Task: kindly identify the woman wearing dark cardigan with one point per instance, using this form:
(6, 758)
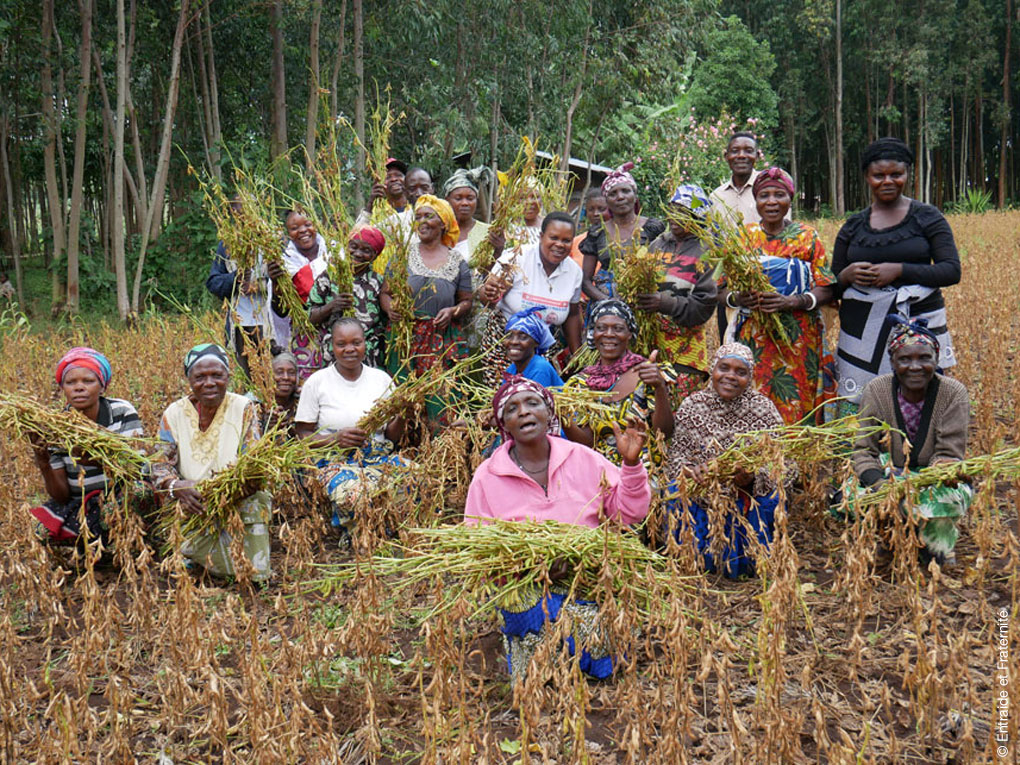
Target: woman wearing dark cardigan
(933, 412)
(892, 257)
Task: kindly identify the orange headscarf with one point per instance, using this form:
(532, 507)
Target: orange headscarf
(445, 212)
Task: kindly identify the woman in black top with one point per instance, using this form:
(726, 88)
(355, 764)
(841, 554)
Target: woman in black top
(892, 257)
(623, 228)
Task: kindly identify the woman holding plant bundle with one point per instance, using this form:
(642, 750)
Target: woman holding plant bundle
(706, 424)
(332, 403)
(279, 413)
(536, 477)
(74, 484)
(685, 300)
(625, 228)
(892, 257)
(326, 303)
(793, 370)
(639, 387)
(461, 191)
(538, 276)
(204, 433)
(440, 291)
(933, 412)
(305, 259)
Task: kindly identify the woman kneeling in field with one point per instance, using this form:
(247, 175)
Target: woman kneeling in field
(933, 411)
(203, 433)
(332, 403)
(73, 483)
(706, 424)
(535, 476)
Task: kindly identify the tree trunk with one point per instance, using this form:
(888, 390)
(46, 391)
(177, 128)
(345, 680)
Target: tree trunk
(117, 219)
(216, 132)
(204, 101)
(154, 209)
(312, 117)
(359, 99)
(278, 145)
(334, 82)
(74, 219)
(494, 151)
(55, 201)
(840, 200)
(11, 217)
(576, 99)
(1004, 134)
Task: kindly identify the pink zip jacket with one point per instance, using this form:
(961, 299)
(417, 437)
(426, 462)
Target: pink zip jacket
(500, 489)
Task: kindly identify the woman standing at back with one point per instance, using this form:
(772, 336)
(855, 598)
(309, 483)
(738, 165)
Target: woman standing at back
(892, 257)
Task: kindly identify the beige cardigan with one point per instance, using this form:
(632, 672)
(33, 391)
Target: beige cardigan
(942, 431)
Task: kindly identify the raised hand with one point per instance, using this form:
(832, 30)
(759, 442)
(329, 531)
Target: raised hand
(630, 442)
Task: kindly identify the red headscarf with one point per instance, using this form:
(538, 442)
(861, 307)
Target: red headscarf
(371, 236)
(86, 358)
(773, 176)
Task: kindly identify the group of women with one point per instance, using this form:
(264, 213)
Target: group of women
(675, 408)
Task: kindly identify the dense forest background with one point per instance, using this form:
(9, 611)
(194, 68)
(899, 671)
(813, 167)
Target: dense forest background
(104, 104)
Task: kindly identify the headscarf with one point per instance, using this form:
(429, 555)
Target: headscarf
(618, 177)
(610, 307)
(914, 332)
(464, 178)
(284, 356)
(886, 148)
(694, 198)
(204, 351)
(734, 351)
(600, 376)
(445, 212)
(517, 384)
(773, 176)
(371, 236)
(85, 358)
(530, 323)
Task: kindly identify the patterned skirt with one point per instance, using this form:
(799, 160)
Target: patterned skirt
(736, 556)
(524, 631)
(212, 551)
(431, 347)
(938, 510)
(350, 482)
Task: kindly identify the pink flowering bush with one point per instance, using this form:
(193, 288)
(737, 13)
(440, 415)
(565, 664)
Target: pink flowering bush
(685, 149)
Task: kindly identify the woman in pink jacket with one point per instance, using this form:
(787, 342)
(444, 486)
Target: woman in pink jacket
(535, 476)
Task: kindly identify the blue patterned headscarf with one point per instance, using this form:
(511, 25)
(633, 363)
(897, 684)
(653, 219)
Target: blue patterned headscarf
(694, 198)
(530, 323)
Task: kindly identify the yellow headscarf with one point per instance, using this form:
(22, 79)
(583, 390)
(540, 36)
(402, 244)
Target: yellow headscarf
(445, 212)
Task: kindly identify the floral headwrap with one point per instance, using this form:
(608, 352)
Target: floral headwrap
(85, 358)
(734, 351)
(467, 179)
(512, 387)
(773, 176)
(694, 198)
(610, 307)
(530, 323)
(205, 351)
(911, 333)
(618, 177)
(371, 236)
(445, 212)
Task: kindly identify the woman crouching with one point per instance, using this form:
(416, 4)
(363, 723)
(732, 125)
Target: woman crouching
(73, 483)
(706, 424)
(202, 434)
(534, 476)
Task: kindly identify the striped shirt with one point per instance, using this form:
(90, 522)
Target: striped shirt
(117, 416)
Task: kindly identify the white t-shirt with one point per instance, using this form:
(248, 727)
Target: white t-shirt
(332, 402)
(533, 286)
